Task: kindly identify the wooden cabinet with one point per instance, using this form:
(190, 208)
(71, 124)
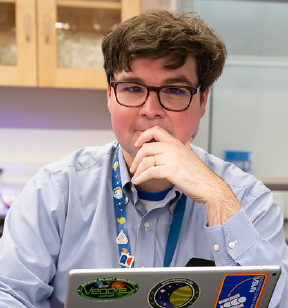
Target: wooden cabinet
(58, 42)
(17, 43)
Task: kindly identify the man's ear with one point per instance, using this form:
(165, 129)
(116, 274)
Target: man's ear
(109, 94)
(203, 101)
(108, 91)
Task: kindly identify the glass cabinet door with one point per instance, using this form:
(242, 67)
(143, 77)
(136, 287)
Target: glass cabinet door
(17, 42)
(70, 37)
(8, 48)
(80, 28)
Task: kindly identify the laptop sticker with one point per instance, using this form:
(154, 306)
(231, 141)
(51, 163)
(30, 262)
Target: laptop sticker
(241, 290)
(175, 292)
(107, 289)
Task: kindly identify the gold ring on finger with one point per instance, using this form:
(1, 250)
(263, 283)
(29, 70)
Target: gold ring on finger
(154, 160)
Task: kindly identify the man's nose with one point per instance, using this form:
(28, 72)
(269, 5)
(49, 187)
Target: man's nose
(152, 107)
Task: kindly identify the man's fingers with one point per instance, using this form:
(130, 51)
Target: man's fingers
(147, 151)
(155, 133)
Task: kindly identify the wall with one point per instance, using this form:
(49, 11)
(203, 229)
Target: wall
(250, 101)
(38, 126)
(250, 114)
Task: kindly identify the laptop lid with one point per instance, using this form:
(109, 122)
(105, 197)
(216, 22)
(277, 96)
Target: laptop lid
(181, 287)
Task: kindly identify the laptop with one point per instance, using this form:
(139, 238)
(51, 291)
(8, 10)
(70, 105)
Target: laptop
(181, 287)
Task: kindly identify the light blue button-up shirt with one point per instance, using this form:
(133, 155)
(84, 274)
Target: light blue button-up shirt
(65, 219)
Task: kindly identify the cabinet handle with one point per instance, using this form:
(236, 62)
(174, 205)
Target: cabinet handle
(47, 29)
(27, 22)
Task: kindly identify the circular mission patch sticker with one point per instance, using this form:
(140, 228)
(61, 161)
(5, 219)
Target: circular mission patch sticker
(107, 289)
(176, 292)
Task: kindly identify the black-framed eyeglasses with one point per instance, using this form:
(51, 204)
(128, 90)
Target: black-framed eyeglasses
(171, 97)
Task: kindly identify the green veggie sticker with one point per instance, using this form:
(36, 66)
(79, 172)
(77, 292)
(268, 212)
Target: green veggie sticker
(107, 289)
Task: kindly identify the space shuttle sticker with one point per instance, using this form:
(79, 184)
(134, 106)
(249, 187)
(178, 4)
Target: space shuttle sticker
(244, 290)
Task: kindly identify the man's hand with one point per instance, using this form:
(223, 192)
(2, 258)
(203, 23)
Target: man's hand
(178, 164)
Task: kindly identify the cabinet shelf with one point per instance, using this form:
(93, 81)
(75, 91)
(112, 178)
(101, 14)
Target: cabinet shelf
(90, 4)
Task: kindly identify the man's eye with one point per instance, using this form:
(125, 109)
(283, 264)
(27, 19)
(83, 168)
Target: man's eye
(132, 89)
(174, 91)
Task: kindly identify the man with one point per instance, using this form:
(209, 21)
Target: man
(115, 205)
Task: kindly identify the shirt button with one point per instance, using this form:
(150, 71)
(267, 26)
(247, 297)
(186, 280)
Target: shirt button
(231, 245)
(146, 225)
(126, 200)
(132, 189)
(216, 247)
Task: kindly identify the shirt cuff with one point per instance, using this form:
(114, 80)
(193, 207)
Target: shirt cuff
(230, 241)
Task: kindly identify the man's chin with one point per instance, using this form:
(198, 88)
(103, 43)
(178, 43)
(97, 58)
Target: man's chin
(129, 154)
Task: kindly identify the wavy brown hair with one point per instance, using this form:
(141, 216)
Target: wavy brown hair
(157, 34)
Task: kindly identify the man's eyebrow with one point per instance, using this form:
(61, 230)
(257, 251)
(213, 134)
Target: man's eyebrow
(178, 79)
(168, 81)
(132, 79)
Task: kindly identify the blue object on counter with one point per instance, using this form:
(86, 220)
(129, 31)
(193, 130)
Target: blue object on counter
(239, 158)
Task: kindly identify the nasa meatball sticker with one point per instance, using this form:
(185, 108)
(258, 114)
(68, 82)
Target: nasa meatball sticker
(237, 291)
(176, 292)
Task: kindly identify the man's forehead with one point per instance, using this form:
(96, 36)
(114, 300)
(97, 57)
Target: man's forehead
(142, 69)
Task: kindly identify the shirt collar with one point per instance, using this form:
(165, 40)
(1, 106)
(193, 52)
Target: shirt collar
(125, 176)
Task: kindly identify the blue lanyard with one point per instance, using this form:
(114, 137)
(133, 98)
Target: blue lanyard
(174, 231)
(125, 258)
